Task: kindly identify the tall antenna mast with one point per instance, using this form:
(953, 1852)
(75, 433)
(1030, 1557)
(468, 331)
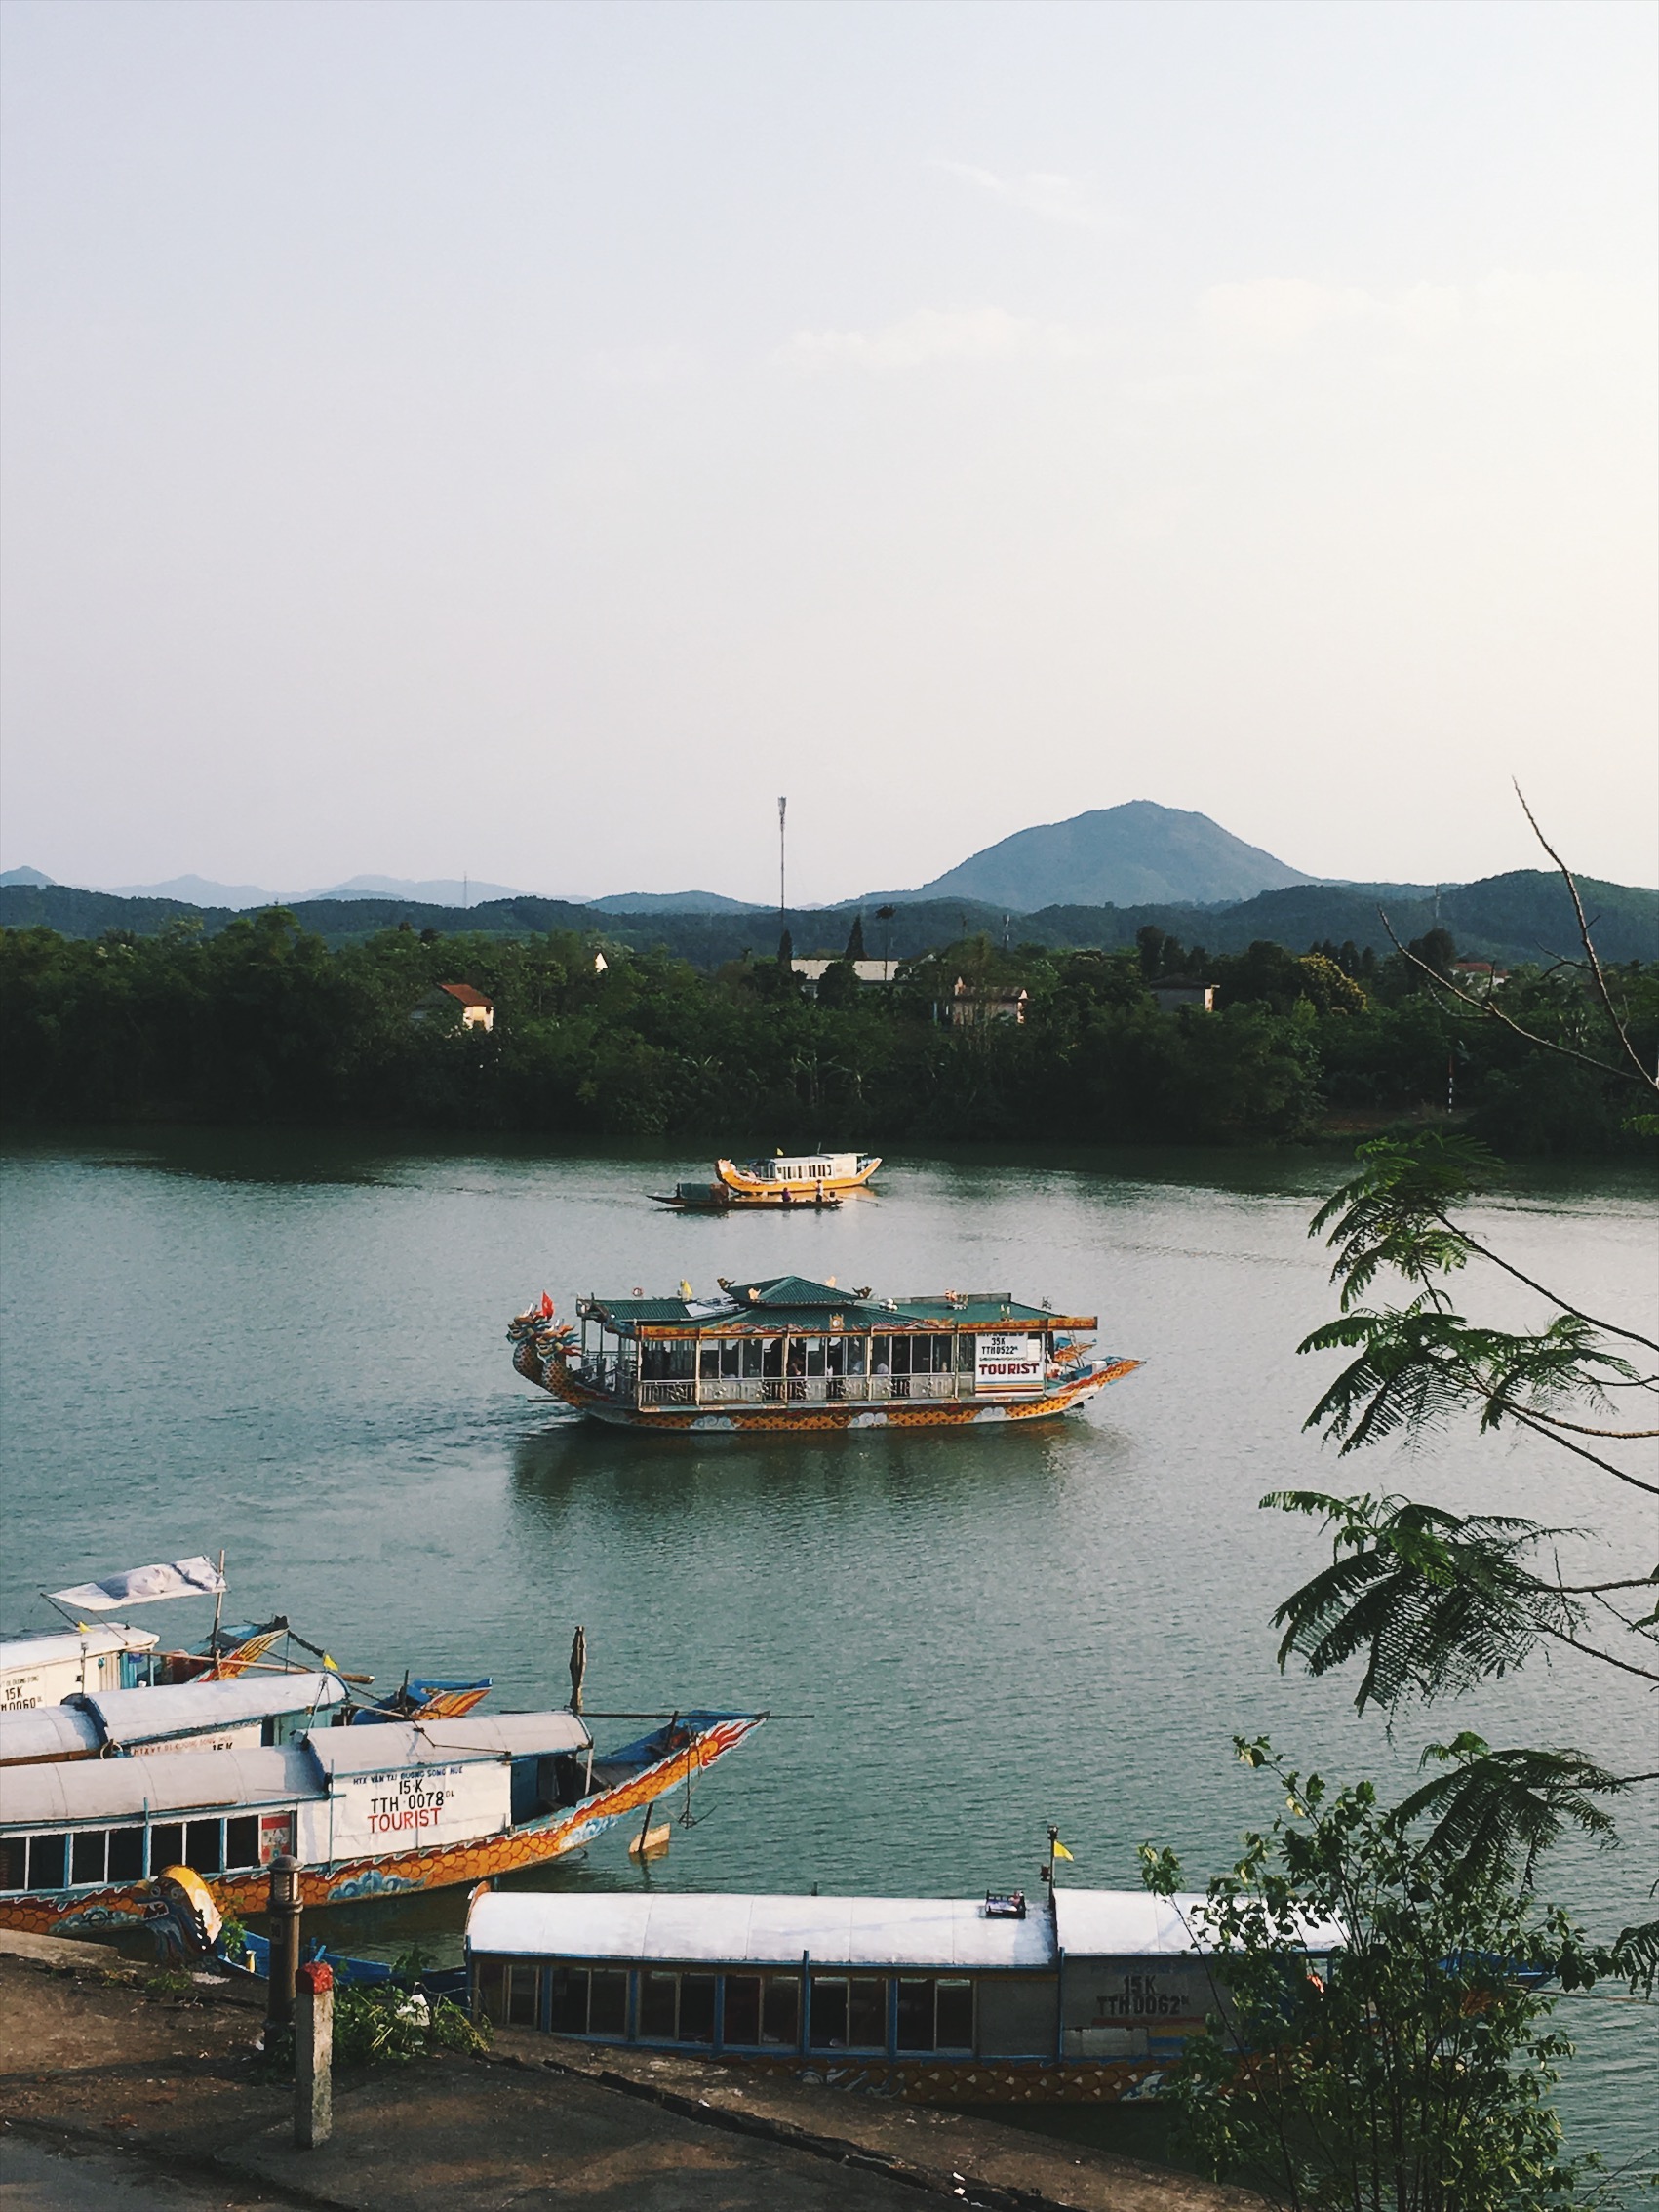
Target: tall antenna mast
(783, 880)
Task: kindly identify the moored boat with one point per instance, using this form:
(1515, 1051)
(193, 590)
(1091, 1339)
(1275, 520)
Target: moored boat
(721, 1197)
(791, 1176)
(368, 1812)
(45, 1666)
(1083, 1996)
(260, 1711)
(787, 1353)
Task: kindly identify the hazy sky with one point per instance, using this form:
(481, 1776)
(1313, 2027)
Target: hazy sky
(524, 439)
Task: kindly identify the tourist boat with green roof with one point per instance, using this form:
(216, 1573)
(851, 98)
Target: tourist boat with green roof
(787, 1353)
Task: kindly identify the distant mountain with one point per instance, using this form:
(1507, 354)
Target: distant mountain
(198, 890)
(1127, 856)
(449, 890)
(31, 876)
(1520, 917)
(673, 902)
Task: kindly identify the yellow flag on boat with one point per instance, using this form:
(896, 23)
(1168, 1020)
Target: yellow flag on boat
(1060, 1851)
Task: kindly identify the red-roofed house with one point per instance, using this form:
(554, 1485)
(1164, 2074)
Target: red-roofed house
(476, 1011)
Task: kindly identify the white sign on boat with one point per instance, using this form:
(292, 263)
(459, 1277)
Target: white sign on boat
(45, 1668)
(1006, 1364)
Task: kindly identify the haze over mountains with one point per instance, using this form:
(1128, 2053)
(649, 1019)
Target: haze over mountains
(1127, 855)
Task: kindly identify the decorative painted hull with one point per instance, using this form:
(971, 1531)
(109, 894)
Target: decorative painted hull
(554, 1376)
(529, 1844)
(752, 1186)
(971, 2081)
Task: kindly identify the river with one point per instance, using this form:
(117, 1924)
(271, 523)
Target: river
(292, 1346)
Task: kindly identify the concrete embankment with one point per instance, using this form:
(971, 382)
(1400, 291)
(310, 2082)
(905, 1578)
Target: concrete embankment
(93, 2066)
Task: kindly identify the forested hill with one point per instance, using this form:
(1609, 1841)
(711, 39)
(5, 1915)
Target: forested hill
(1517, 918)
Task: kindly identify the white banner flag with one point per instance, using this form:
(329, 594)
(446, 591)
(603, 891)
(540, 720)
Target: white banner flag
(144, 1585)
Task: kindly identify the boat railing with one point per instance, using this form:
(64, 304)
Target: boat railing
(803, 1390)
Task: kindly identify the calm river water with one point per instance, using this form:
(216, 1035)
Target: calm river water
(293, 1347)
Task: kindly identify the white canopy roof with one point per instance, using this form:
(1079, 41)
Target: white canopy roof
(119, 1718)
(1131, 1923)
(165, 1783)
(20, 1653)
(173, 1780)
(375, 1749)
(929, 1933)
(48, 1731)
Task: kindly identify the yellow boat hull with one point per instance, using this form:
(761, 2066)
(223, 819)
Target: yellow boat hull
(765, 1189)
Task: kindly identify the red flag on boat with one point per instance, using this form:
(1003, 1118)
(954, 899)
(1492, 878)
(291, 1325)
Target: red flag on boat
(546, 1306)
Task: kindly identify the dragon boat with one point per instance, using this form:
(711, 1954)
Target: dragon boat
(377, 1811)
(789, 1177)
(791, 1353)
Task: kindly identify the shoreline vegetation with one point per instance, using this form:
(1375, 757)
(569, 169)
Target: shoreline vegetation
(264, 1023)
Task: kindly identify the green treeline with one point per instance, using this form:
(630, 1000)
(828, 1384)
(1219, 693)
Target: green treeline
(264, 1023)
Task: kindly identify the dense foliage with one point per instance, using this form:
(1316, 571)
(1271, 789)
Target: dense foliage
(1410, 2068)
(263, 1023)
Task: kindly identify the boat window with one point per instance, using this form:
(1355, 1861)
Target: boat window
(829, 2014)
(730, 1359)
(881, 1355)
(708, 1362)
(965, 1355)
(491, 1986)
(203, 1845)
(814, 1350)
(849, 2014)
(771, 1355)
(742, 2024)
(752, 1351)
(916, 2016)
(898, 1356)
(657, 2007)
(524, 1992)
(608, 2002)
(86, 1855)
(780, 2011)
(568, 2010)
(15, 1863)
(126, 1854)
(856, 1354)
(867, 2012)
(697, 2008)
(954, 2029)
(167, 1844)
(48, 1861)
(936, 2015)
(242, 1840)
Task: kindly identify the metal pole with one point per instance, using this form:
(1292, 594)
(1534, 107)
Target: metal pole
(314, 2055)
(219, 1610)
(782, 901)
(578, 1668)
(283, 1904)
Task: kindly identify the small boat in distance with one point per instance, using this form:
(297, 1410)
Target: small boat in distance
(790, 1354)
(721, 1197)
(790, 1176)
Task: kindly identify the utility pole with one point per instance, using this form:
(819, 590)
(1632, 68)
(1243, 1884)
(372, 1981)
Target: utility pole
(783, 880)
